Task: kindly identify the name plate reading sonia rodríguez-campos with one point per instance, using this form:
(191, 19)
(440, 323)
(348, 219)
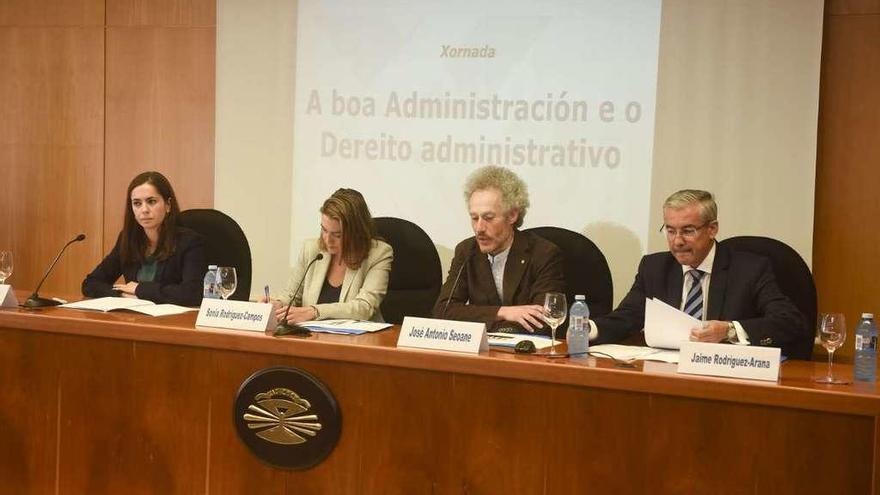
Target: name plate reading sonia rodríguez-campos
(734, 361)
(236, 315)
(7, 297)
(443, 335)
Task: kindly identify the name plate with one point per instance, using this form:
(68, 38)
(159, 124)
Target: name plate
(734, 361)
(236, 315)
(7, 297)
(443, 335)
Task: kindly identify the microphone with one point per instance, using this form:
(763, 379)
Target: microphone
(35, 301)
(455, 283)
(285, 328)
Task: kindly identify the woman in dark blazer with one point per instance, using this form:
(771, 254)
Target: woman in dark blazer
(158, 260)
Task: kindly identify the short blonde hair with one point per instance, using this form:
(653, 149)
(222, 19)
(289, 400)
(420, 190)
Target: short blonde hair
(514, 192)
(687, 197)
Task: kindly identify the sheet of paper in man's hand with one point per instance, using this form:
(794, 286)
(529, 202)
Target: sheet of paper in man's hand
(667, 327)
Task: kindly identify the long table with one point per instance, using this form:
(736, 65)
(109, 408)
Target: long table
(124, 403)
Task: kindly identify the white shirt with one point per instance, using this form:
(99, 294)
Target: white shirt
(497, 263)
(706, 268)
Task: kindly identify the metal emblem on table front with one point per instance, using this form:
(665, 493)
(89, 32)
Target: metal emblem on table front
(287, 417)
(273, 414)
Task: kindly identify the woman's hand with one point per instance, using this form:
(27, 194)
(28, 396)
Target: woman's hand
(296, 314)
(127, 290)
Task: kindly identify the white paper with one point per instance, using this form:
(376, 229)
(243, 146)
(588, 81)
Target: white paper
(162, 309)
(345, 326)
(634, 353)
(667, 327)
(7, 297)
(108, 303)
(500, 339)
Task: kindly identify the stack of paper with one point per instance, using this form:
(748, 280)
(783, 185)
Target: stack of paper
(347, 327)
(106, 304)
(665, 326)
(634, 353)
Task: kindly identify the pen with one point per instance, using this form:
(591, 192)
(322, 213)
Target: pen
(266, 290)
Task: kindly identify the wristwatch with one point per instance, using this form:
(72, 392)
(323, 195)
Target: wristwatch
(732, 337)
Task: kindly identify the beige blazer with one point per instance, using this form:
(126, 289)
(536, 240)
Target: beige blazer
(362, 290)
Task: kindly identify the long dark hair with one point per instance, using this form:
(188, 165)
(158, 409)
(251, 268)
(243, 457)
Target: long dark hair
(358, 229)
(133, 239)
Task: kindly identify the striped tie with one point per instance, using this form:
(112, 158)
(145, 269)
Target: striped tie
(694, 304)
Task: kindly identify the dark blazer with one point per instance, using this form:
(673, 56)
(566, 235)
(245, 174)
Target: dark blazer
(533, 268)
(742, 288)
(178, 279)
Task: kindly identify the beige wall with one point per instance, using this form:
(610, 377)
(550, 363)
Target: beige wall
(256, 49)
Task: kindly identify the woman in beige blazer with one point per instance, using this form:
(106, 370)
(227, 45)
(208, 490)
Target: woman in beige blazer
(350, 278)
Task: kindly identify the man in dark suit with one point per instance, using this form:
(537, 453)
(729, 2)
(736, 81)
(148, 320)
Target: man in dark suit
(734, 293)
(500, 275)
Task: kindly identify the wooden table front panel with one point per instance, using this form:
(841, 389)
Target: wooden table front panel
(95, 415)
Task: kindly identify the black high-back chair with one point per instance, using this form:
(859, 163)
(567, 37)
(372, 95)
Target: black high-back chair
(793, 277)
(225, 243)
(586, 269)
(415, 277)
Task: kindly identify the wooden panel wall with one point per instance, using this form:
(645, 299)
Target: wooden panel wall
(93, 92)
(51, 136)
(846, 235)
(160, 100)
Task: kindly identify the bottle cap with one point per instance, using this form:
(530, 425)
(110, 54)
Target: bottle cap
(868, 315)
(580, 297)
(212, 267)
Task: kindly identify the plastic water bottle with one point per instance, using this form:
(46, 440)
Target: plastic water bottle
(578, 336)
(866, 349)
(209, 286)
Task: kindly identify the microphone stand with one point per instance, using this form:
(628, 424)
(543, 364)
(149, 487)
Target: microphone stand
(35, 301)
(455, 283)
(285, 328)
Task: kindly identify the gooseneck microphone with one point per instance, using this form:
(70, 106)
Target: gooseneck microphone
(35, 301)
(455, 283)
(285, 328)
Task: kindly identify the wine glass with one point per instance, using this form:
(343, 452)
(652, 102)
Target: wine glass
(555, 309)
(832, 334)
(5, 265)
(226, 281)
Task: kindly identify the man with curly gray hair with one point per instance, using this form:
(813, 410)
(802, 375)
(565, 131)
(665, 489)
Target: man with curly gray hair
(500, 275)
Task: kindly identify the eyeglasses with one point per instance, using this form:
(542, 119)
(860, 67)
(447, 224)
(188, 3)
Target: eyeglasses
(689, 232)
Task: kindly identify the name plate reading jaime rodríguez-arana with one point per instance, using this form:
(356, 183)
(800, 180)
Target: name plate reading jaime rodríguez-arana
(7, 297)
(734, 361)
(443, 335)
(236, 315)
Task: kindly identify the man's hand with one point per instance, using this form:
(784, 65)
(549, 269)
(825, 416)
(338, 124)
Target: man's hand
(711, 331)
(529, 316)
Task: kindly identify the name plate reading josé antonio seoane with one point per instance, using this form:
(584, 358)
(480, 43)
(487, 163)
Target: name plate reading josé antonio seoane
(236, 315)
(443, 335)
(734, 361)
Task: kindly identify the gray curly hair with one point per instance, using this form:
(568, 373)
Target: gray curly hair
(514, 192)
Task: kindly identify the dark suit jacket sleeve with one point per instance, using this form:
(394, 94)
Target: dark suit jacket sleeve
(629, 316)
(182, 274)
(99, 283)
(458, 309)
(778, 321)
